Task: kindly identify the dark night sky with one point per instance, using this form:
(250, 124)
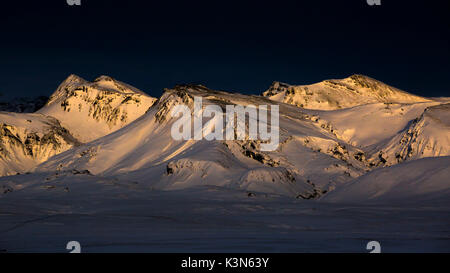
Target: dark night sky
(237, 46)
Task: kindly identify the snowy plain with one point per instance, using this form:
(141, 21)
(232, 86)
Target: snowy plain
(122, 218)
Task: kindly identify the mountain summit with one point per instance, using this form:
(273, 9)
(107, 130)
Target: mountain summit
(337, 94)
(90, 110)
(78, 112)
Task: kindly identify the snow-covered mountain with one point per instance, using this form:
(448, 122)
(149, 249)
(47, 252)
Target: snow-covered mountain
(338, 94)
(391, 133)
(425, 179)
(90, 110)
(78, 112)
(426, 136)
(29, 139)
(370, 124)
(319, 151)
(310, 160)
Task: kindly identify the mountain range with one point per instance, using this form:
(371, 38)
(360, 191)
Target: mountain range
(331, 134)
(357, 161)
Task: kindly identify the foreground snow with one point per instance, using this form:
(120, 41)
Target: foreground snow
(107, 215)
(404, 207)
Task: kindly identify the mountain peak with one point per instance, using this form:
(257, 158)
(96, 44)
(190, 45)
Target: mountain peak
(93, 109)
(339, 93)
(360, 76)
(363, 81)
(73, 83)
(74, 78)
(103, 78)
